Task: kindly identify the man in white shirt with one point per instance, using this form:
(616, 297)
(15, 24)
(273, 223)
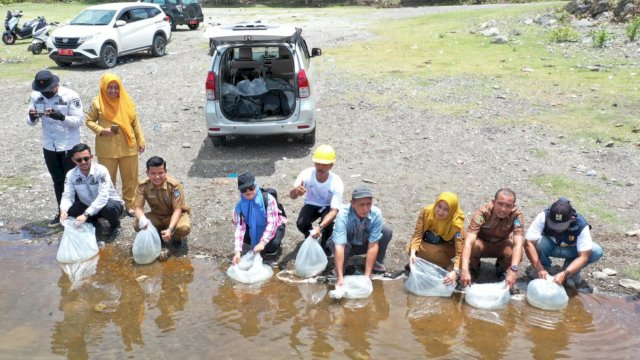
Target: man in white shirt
(89, 193)
(322, 190)
(559, 231)
(60, 111)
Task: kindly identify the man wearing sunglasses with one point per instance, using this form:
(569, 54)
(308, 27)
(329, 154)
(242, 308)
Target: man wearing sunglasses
(59, 109)
(89, 193)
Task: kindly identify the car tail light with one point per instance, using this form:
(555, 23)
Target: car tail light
(303, 85)
(210, 86)
(167, 18)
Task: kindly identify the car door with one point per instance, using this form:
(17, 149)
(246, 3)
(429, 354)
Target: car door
(126, 41)
(142, 28)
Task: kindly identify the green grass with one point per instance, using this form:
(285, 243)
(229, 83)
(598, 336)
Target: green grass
(14, 182)
(632, 272)
(17, 62)
(430, 48)
(581, 195)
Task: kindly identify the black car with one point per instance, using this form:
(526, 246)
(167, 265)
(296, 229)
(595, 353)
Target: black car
(181, 12)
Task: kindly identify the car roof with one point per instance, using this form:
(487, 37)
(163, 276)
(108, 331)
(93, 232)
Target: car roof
(118, 6)
(251, 32)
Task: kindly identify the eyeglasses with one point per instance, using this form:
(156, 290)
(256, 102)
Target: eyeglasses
(247, 189)
(80, 160)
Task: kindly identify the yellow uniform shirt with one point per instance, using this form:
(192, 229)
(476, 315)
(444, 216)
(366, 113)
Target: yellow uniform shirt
(112, 147)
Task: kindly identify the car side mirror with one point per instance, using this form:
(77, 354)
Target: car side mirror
(120, 23)
(316, 52)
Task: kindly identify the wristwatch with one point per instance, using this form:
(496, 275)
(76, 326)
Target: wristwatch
(514, 268)
(86, 214)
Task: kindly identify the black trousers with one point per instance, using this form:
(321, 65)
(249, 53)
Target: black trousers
(58, 164)
(111, 212)
(309, 214)
(273, 245)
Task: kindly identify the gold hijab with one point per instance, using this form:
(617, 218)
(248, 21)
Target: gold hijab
(121, 110)
(446, 228)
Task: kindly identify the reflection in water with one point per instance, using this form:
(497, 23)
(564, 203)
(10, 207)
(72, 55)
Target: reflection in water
(112, 295)
(116, 310)
(435, 322)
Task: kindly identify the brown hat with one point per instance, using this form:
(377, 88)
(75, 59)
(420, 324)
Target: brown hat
(45, 81)
(559, 215)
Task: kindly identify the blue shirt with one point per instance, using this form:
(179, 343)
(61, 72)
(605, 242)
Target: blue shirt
(349, 228)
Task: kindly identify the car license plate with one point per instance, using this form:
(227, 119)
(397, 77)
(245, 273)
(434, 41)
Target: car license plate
(65, 52)
(193, 22)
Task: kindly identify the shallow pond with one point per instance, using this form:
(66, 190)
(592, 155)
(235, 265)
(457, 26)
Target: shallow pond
(188, 309)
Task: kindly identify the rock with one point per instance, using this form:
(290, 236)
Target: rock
(186, 146)
(599, 275)
(488, 24)
(546, 20)
(515, 32)
(630, 284)
(527, 70)
(609, 272)
(600, 7)
(604, 17)
(592, 173)
(500, 39)
(528, 21)
(609, 144)
(491, 32)
(635, 232)
(583, 23)
(622, 8)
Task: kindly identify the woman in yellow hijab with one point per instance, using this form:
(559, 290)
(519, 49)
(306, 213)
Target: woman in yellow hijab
(119, 138)
(438, 236)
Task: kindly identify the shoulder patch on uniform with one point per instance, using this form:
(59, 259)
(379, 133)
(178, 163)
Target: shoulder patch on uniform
(77, 103)
(479, 219)
(176, 193)
(102, 178)
(516, 222)
(458, 235)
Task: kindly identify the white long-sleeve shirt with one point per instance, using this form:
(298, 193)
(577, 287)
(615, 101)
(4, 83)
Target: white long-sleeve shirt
(93, 190)
(59, 135)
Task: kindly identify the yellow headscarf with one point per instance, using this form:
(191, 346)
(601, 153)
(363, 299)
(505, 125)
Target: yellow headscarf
(121, 110)
(446, 228)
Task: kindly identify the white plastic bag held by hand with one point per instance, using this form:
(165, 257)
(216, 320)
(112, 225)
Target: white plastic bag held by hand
(355, 287)
(250, 270)
(146, 246)
(426, 279)
(546, 294)
(491, 296)
(78, 243)
(311, 259)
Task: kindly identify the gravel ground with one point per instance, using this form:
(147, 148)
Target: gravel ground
(408, 154)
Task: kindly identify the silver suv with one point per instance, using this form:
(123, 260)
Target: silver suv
(260, 82)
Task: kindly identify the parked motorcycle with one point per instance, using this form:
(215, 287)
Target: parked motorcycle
(14, 32)
(40, 37)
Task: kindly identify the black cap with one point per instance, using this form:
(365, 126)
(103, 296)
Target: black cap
(559, 215)
(45, 81)
(246, 180)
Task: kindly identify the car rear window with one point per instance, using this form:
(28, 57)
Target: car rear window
(260, 53)
(153, 12)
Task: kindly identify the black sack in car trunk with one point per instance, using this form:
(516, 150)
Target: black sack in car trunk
(274, 102)
(245, 107)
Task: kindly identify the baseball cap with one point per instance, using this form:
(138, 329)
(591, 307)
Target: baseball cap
(559, 215)
(246, 180)
(45, 81)
(361, 191)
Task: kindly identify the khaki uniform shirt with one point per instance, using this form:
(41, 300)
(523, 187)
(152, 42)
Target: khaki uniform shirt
(162, 200)
(489, 227)
(112, 147)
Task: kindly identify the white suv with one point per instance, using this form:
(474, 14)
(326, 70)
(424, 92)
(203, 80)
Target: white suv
(260, 82)
(101, 33)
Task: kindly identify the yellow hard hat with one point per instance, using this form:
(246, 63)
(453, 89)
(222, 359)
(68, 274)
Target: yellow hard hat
(324, 154)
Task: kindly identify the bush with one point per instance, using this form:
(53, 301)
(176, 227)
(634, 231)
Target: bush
(632, 30)
(564, 34)
(600, 37)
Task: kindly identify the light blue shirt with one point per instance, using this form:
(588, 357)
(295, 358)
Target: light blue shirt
(349, 228)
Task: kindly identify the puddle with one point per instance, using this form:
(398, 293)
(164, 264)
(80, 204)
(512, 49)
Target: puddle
(187, 308)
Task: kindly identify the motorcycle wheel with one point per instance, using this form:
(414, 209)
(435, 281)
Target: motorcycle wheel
(36, 48)
(8, 39)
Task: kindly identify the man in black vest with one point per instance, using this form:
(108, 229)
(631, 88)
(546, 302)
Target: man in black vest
(560, 232)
